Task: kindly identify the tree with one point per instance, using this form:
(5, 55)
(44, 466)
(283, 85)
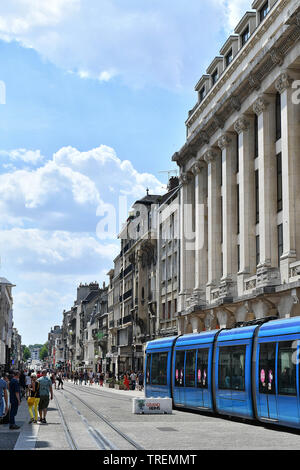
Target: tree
(44, 351)
(26, 353)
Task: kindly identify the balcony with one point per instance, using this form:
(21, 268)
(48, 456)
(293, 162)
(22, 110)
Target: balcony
(294, 271)
(127, 319)
(127, 294)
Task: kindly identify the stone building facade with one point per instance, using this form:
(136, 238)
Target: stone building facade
(240, 175)
(6, 323)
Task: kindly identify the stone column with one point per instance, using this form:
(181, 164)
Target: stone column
(244, 126)
(201, 259)
(290, 148)
(187, 242)
(265, 109)
(212, 157)
(229, 154)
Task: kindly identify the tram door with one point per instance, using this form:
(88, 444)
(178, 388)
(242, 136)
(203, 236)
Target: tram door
(267, 388)
(202, 378)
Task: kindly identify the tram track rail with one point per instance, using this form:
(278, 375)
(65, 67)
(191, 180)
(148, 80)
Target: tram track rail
(68, 433)
(95, 392)
(103, 418)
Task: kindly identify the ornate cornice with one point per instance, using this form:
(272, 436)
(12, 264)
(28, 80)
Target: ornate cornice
(235, 103)
(254, 81)
(260, 105)
(241, 125)
(283, 82)
(276, 56)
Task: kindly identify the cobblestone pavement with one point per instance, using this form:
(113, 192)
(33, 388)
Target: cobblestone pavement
(180, 430)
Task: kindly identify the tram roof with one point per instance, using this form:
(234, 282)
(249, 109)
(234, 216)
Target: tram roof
(161, 343)
(280, 327)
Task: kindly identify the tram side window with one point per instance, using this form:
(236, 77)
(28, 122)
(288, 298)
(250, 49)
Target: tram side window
(159, 369)
(267, 354)
(287, 368)
(148, 367)
(190, 363)
(232, 368)
(179, 369)
(202, 367)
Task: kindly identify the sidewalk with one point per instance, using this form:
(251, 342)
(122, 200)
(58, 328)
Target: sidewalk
(20, 439)
(127, 393)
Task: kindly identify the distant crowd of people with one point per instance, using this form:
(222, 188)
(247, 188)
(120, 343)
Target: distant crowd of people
(37, 389)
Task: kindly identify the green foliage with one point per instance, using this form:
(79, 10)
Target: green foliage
(44, 351)
(26, 353)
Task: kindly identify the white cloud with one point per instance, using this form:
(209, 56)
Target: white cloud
(27, 156)
(143, 43)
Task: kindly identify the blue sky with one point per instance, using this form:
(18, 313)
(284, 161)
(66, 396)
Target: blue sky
(97, 93)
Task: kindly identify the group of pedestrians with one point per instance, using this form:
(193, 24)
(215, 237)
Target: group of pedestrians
(134, 380)
(35, 388)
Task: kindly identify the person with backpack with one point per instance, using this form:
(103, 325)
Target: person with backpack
(33, 399)
(3, 398)
(45, 388)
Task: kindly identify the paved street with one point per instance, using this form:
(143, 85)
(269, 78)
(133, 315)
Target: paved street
(181, 430)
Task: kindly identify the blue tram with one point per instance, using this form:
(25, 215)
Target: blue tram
(249, 371)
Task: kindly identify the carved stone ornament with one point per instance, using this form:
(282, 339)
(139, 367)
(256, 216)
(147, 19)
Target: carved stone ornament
(185, 178)
(235, 103)
(241, 125)
(219, 122)
(210, 156)
(298, 19)
(276, 56)
(198, 167)
(283, 82)
(254, 82)
(260, 105)
(204, 137)
(224, 141)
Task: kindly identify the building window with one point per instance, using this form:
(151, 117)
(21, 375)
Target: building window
(279, 182)
(237, 154)
(257, 250)
(245, 35)
(215, 76)
(256, 196)
(278, 116)
(229, 58)
(169, 309)
(255, 136)
(163, 311)
(202, 94)
(175, 306)
(280, 241)
(239, 257)
(238, 208)
(264, 11)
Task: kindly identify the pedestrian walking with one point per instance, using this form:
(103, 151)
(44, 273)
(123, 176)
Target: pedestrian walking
(141, 381)
(126, 382)
(3, 398)
(85, 376)
(53, 379)
(45, 388)
(133, 380)
(101, 379)
(60, 381)
(15, 399)
(22, 382)
(27, 383)
(33, 399)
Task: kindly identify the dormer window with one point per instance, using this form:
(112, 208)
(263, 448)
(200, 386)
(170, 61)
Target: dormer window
(202, 94)
(245, 35)
(215, 76)
(229, 57)
(264, 11)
